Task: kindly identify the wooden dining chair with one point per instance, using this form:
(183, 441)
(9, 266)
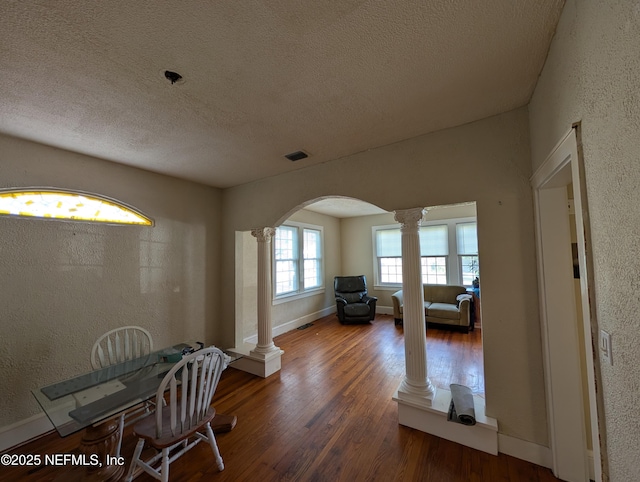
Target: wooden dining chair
(117, 346)
(191, 384)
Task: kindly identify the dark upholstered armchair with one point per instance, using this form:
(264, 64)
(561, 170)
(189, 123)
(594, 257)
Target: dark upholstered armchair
(354, 306)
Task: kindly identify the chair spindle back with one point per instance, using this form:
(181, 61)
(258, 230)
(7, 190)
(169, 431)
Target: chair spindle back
(191, 384)
(120, 345)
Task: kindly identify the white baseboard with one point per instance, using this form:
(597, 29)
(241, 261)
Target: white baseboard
(524, 450)
(19, 432)
(384, 310)
(293, 324)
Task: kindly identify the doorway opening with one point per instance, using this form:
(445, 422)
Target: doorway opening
(565, 283)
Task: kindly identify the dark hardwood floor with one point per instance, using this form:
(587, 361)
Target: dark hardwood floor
(328, 416)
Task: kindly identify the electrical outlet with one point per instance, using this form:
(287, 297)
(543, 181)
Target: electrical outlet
(605, 346)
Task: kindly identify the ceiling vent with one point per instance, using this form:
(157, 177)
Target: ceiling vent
(296, 156)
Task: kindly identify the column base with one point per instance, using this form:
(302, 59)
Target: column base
(421, 396)
(264, 352)
(433, 419)
(256, 363)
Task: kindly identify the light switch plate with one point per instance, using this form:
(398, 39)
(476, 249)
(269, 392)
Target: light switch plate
(605, 346)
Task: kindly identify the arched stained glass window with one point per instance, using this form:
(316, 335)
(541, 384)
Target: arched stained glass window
(68, 205)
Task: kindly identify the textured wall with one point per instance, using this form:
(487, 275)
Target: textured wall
(63, 284)
(591, 75)
(487, 162)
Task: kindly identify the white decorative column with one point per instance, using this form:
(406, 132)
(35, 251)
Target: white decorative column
(416, 388)
(266, 353)
(265, 341)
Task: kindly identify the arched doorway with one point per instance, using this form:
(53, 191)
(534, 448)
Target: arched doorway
(348, 228)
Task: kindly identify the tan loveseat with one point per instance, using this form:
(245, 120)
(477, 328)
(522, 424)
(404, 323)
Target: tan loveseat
(443, 304)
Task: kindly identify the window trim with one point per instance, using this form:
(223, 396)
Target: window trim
(300, 292)
(453, 258)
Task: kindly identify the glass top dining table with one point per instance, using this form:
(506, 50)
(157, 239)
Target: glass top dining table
(85, 400)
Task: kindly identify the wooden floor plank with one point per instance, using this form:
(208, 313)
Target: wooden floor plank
(328, 416)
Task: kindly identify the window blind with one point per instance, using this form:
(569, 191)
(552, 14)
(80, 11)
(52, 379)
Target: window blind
(467, 236)
(388, 243)
(434, 240)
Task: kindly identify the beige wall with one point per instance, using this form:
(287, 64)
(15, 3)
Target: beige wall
(591, 75)
(487, 162)
(63, 284)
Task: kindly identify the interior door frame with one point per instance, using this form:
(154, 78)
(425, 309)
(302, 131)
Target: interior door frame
(564, 165)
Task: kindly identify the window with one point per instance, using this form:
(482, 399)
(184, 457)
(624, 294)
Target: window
(437, 240)
(433, 249)
(467, 237)
(68, 205)
(286, 259)
(312, 255)
(389, 256)
(293, 243)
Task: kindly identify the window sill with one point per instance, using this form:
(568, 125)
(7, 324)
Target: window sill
(399, 287)
(387, 287)
(296, 296)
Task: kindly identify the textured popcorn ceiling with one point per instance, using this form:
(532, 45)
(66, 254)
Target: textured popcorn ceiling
(261, 79)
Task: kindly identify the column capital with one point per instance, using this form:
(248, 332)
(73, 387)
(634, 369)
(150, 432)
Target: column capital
(410, 218)
(263, 234)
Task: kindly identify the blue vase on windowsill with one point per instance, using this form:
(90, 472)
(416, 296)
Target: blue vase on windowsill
(476, 286)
